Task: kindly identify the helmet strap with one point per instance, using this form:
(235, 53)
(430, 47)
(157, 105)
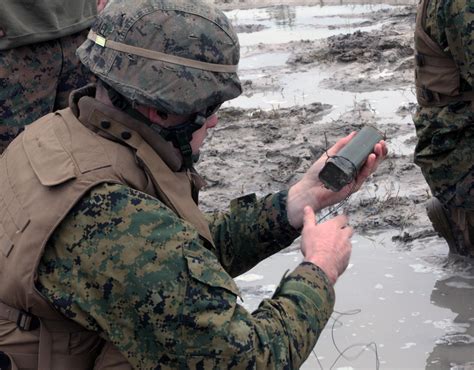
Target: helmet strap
(180, 135)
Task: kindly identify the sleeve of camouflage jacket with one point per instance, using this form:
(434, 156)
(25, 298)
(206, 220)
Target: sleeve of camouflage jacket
(253, 230)
(450, 23)
(123, 264)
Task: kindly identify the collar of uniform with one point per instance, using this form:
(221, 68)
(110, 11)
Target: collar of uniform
(100, 118)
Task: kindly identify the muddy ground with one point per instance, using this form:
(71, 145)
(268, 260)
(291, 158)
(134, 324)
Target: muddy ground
(256, 150)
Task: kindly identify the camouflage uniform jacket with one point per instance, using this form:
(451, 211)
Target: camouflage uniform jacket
(124, 263)
(446, 134)
(25, 22)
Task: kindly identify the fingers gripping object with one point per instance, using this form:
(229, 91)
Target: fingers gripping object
(343, 168)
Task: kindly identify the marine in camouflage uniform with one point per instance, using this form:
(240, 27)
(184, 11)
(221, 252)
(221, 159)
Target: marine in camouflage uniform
(166, 286)
(38, 65)
(126, 255)
(162, 304)
(446, 132)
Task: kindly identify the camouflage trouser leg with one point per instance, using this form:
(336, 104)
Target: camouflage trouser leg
(37, 79)
(461, 213)
(445, 155)
(463, 222)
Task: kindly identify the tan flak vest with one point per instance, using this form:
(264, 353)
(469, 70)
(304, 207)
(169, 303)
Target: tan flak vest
(43, 174)
(437, 76)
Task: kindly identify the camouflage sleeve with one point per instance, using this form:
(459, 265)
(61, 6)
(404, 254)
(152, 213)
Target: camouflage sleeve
(460, 36)
(124, 265)
(451, 23)
(253, 229)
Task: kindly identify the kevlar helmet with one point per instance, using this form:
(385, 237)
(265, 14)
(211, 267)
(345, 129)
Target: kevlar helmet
(178, 56)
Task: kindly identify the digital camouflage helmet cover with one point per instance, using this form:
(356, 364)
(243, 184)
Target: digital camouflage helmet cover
(177, 56)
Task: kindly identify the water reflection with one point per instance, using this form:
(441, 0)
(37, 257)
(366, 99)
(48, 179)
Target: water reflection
(456, 347)
(282, 24)
(302, 88)
(283, 15)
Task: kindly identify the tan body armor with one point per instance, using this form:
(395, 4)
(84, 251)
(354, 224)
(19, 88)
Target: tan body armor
(43, 174)
(437, 76)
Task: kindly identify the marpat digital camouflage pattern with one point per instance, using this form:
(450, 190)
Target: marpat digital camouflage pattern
(125, 265)
(36, 80)
(189, 29)
(445, 150)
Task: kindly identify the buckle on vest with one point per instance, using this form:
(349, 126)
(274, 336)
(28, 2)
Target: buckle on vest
(27, 321)
(419, 60)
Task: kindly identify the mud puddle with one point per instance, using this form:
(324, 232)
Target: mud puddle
(312, 74)
(404, 310)
(302, 88)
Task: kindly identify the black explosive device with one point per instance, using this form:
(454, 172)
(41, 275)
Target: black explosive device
(343, 168)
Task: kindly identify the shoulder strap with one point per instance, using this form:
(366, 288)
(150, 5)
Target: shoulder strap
(46, 359)
(174, 188)
(437, 76)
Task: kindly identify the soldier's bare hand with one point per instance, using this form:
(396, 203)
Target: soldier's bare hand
(310, 191)
(328, 244)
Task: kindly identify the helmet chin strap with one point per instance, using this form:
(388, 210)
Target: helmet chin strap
(180, 135)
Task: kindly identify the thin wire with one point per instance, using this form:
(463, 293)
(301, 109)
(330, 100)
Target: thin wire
(372, 346)
(342, 353)
(317, 359)
(336, 321)
(363, 345)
